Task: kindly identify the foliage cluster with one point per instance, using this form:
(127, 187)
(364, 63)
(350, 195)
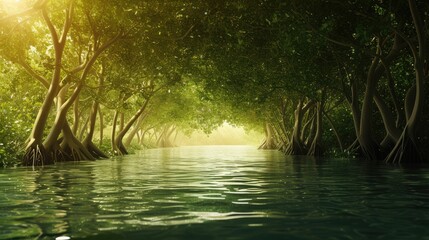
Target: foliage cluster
(318, 77)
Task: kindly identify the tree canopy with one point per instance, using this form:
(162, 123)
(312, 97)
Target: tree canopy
(318, 77)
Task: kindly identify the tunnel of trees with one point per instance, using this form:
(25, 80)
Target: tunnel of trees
(82, 80)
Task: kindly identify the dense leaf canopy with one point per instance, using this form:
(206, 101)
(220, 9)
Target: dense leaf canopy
(336, 77)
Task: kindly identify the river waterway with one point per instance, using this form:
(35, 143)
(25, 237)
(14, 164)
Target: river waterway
(215, 192)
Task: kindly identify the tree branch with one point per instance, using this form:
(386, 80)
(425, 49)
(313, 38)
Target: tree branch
(67, 23)
(33, 73)
(51, 27)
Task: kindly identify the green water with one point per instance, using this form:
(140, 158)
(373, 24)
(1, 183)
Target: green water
(217, 192)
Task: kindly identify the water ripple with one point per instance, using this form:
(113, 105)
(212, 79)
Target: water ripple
(215, 191)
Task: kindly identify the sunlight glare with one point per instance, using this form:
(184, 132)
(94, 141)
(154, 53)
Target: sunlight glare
(226, 134)
(12, 6)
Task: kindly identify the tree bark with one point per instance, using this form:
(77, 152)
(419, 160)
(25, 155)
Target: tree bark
(71, 148)
(164, 140)
(100, 113)
(134, 131)
(88, 141)
(368, 145)
(76, 117)
(113, 135)
(316, 145)
(408, 149)
(269, 141)
(35, 152)
(296, 146)
(118, 139)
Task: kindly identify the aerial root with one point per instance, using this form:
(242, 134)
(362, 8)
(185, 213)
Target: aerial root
(405, 151)
(94, 150)
(36, 155)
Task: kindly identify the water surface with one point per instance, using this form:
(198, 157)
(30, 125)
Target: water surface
(215, 192)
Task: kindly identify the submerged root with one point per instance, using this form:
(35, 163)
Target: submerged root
(406, 151)
(268, 144)
(94, 150)
(295, 148)
(282, 146)
(165, 143)
(370, 150)
(36, 155)
(74, 150)
(76, 153)
(315, 150)
(354, 149)
(119, 147)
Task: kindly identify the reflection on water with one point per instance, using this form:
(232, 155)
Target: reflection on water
(216, 192)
